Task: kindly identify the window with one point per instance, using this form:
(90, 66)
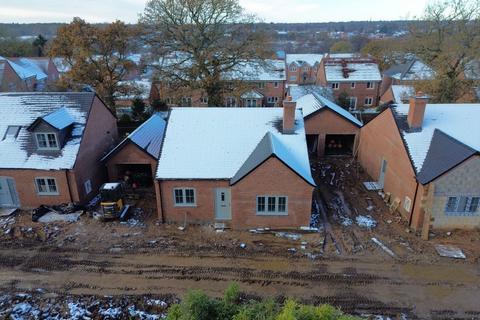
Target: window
(306, 69)
(335, 85)
(87, 186)
(187, 101)
(407, 204)
(275, 84)
(261, 85)
(352, 103)
(251, 103)
(272, 99)
(184, 197)
(293, 78)
(352, 85)
(168, 100)
(204, 100)
(293, 68)
(12, 132)
(459, 205)
(46, 186)
(368, 101)
(47, 141)
(370, 85)
(272, 205)
(231, 102)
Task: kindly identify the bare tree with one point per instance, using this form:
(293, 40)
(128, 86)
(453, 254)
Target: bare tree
(447, 39)
(194, 43)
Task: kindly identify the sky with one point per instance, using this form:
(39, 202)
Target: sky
(25, 11)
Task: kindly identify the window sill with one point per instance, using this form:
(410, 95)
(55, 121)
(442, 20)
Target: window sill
(272, 214)
(47, 194)
(184, 205)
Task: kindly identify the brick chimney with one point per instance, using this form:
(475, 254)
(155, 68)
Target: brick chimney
(289, 115)
(416, 111)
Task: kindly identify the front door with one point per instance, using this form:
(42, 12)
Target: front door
(383, 170)
(223, 210)
(8, 195)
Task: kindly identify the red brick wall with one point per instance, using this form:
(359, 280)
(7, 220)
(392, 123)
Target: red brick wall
(328, 122)
(380, 139)
(27, 192)
(271, 178)
(129, 154)
(10, 77)
(360, 92)
(99, 137)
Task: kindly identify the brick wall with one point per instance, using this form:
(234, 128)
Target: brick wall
(99, 137)
(271, 178)
(328, 122)
(26, 188)
(463, 180)
(129, 154)
(380, 139)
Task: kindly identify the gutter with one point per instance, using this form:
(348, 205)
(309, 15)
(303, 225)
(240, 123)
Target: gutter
(68, 185)
(413, 206)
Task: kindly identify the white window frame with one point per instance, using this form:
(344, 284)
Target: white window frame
(261, 85)
(272, 99)
(370, 85)
(275, 84)
(306, 68)
(45, 135)
(407, 204)
(204, 100)
(231, 102)
(184, 203)
(49, 192)
(350, 99)
(368, 103)
(293, 68)
(87, 185)
(186, 101)
(266, 211)
(468, 210)
(352, 85)
(335, 85)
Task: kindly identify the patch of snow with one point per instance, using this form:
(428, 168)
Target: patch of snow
(53, 216)
(24, 310)
(365, 221)
(142, 315)
(359, 72)
(110, 313)
(310, 58)
(77, 311)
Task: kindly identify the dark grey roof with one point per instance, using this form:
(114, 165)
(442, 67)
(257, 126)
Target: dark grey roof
(148, 137)
(401, 68)
(444, 153)
(267, 147)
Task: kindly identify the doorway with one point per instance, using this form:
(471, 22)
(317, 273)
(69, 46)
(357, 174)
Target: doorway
(223, 210)
(8, 193)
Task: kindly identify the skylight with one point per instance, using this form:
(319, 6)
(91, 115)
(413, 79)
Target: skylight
(12, 132)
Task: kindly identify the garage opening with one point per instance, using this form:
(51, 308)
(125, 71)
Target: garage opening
(312, 144)
(140, 174)
(339, 144)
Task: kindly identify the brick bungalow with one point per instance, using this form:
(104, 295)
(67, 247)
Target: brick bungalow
(138, 152)
(354, 76)
(330, 129)
(51, 145)
(244, 167)
(426, 157)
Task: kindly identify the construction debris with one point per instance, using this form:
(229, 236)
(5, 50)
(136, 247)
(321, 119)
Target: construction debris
(384, 247)
(366, 222)
(449, 251)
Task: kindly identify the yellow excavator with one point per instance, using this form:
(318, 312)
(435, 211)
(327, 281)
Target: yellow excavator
(112, 201)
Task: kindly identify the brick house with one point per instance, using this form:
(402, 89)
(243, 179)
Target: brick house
(406, 73)
(244, 167)
(426, 158)
(329, 128)
(138, 153)
(51, 146)
(302, 68)
(253, 84)
(355, 77)
(397, 93)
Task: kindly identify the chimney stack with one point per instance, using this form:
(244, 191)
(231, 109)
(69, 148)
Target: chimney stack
(289, 115)
(416, 111)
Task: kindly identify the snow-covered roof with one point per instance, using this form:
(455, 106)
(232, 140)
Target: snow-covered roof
(313, 102)
(214, 143)
(343, 55)
(252, 94)
(356, 72)
(148, 136)
(59, 119)
(401, 93)
(459, 121)
(414, 69)
(310, 58)
(26, 68)
(140, 88)
(296, 91)
(61, 65)
(22, 109)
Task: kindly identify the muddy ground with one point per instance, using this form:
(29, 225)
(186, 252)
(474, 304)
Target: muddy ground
(102, 265)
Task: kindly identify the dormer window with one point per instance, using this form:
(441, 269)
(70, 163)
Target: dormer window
(46, 141)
